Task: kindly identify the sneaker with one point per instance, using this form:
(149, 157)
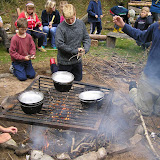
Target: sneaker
(11, 69)
(41, 49)
(132, 84)
(55, 48)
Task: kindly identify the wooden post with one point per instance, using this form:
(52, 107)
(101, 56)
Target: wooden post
(110, 42)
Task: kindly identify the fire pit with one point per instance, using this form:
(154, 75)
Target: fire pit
(62, 110)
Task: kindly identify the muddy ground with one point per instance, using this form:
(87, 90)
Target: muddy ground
(10, 86)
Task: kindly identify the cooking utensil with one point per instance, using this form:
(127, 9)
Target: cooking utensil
(91, 99)
(63, 80)
(31, 101)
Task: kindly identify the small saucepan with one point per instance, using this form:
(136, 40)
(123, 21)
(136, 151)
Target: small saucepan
(31, 101)
(91, 99)
(63, 80)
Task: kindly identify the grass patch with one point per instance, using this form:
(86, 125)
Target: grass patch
(124, 47)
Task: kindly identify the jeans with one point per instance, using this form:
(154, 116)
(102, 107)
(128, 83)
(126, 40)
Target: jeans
(75, 69)
(93, 25)
(156, 16)
(23, 70)
(52, 33)
(38, 35)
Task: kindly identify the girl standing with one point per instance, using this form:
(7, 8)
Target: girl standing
(50, 20)
(33, 24)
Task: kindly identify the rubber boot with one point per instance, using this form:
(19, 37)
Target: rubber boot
(53, 66)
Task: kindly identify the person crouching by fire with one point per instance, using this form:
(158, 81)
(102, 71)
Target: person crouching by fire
(146, 95)
(70, 35)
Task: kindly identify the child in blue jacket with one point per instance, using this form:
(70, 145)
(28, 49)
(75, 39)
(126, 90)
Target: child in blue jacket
(94, 16)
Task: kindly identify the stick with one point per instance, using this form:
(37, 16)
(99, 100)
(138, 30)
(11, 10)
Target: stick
(10, 156)
(36, 31)
(52, 18)
(147, 136)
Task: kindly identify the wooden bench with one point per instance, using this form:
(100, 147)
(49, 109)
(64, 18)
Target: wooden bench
(110, 38)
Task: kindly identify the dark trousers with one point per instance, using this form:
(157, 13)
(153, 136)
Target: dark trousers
(4, 36)
(35, 35)
(23, 70)
(93, 25)
(75, 69)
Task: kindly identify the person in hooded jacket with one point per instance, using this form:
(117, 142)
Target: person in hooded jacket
(94, 16)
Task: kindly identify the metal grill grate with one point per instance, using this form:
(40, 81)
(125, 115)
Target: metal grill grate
(62, 109)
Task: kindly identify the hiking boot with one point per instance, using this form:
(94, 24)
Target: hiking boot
(132, 84)
(41, 49)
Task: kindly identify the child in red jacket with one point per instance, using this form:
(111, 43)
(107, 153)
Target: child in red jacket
(33, 24)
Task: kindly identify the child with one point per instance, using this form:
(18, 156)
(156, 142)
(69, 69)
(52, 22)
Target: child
(22, 50)
(5, 136)
(50, 20)
(71, 34)
(33, 24)
(142, 23)
(123, 12)
(94, 16)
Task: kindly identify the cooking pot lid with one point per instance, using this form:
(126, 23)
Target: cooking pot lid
(29, 97)
(91, 95)
(63, 77)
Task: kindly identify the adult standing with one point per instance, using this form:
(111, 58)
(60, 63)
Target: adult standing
(4, 36)
(155, 10)
(71, 34)
(94, 16)
(50, 20)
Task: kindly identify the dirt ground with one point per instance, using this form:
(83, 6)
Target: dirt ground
(9, 86)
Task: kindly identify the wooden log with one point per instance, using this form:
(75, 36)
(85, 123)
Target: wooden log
(94, 43)
(110, 42)
(97, 37)
(140, 4)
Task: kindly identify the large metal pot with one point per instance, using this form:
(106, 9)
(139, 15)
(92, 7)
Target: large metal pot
(31, 101)
(63, 80)
(91, 99)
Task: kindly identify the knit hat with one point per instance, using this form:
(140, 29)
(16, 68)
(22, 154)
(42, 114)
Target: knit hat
(131, 12)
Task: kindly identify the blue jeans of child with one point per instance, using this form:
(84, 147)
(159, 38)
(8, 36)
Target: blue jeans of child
(75, 69)
(23, 70)
(52, 32)
(38, 35)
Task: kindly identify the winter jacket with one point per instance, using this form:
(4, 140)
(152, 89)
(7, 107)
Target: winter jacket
(143, 23)
(31, 21)
(155, 7)
(94, 8)
(152, 68)
(46, 18)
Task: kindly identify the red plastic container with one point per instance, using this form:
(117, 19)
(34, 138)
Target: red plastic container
(52, 61)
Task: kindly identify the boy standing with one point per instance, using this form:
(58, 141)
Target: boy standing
(22, 50)
(4, 36)
(94, 16)
(70, 35)
(142, 23)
